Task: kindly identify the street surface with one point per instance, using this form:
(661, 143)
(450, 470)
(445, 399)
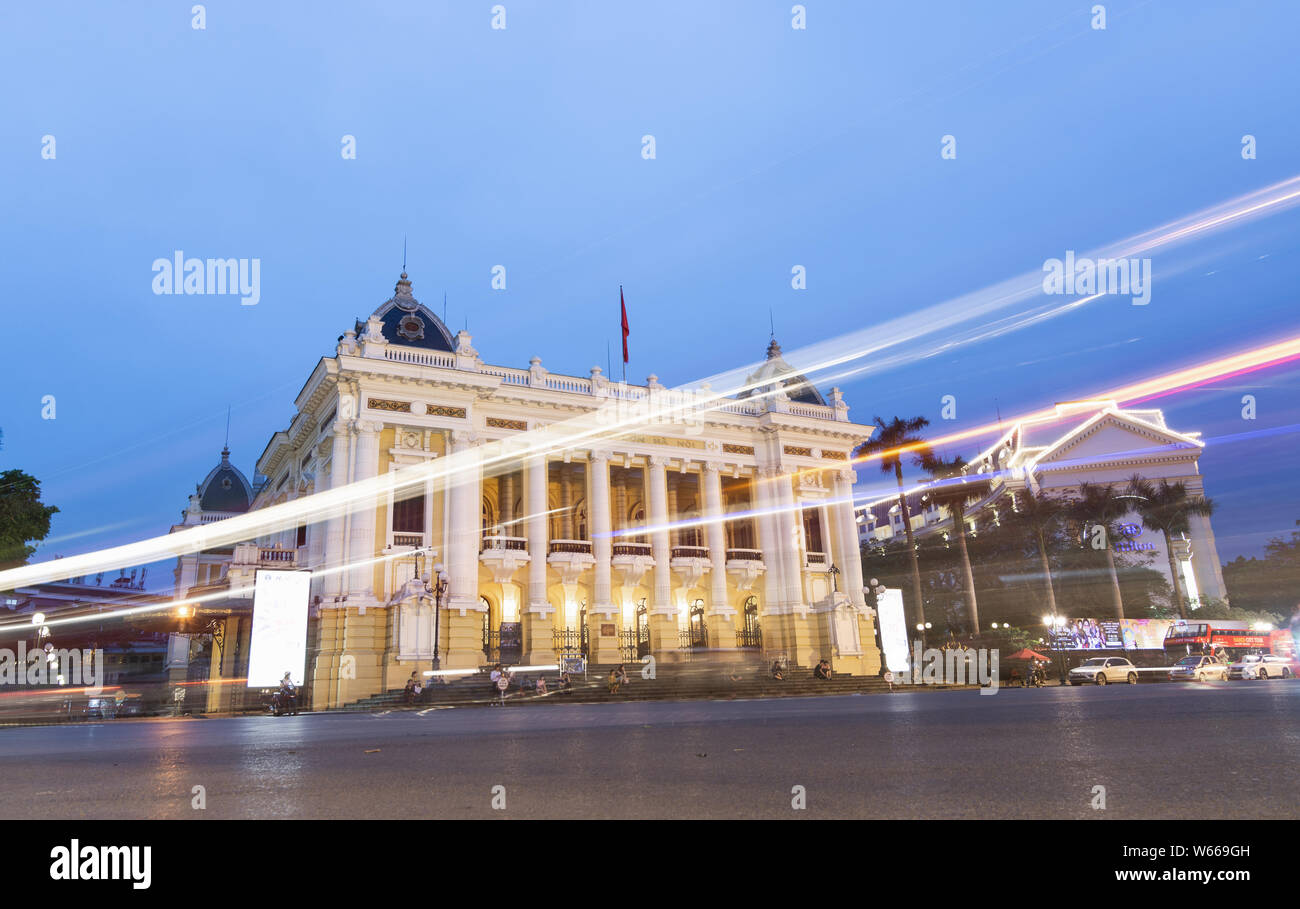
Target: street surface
(1212, 750)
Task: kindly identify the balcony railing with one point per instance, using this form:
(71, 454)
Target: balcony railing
(632, 549)
(408, 539)
(690, 552)
(597, 385)
(516, 544)
(744, 555)
(582, 547)
(814, 558)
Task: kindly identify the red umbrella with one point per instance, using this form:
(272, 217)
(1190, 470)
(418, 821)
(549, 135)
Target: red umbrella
(1026, 654)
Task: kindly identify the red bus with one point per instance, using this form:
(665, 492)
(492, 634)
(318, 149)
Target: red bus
(1217, 634)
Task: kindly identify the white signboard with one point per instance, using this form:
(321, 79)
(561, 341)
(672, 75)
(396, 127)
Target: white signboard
(279, 639)
(893, 629)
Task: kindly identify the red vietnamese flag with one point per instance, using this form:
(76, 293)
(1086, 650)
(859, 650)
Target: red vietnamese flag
(626, 331)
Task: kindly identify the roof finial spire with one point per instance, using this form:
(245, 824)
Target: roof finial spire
(403, 253)
(772, 320)
(225, 449)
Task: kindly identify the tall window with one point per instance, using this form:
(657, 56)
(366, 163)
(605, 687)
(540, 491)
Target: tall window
(408, 515)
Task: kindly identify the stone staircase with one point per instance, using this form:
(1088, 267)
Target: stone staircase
(697, 680)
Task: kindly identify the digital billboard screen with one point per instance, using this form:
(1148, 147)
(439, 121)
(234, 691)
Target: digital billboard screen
(278, 643)
(893, 629)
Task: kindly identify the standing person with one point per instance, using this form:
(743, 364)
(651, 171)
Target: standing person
(495, 676)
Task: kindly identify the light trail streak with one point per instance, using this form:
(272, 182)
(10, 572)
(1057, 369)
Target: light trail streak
(1193, 376)
(604, 424)
(215, 596)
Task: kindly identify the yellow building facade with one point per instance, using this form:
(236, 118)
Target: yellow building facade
(667, 521)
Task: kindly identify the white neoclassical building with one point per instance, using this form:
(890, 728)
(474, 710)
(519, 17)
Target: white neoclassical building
(1095, 442)
(729, 526)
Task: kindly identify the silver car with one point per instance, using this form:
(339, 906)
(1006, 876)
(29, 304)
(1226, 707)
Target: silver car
(1103, 671)
(1260, 666)
(1194, 668)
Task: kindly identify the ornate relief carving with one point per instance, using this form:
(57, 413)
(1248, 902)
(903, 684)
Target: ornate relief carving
(386, 404)
(499, 423)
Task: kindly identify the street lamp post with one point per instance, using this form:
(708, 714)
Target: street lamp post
(1054, 623)
(922, 628)
(437, 590)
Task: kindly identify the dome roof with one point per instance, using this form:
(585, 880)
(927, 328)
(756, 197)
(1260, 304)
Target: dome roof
(225, 488)
(797, 387)
(408, 321)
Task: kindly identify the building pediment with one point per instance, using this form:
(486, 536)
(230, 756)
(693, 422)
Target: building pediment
(1113, 435)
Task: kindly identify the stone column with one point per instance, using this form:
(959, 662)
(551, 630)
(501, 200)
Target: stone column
(851, 577)
(802, 642)
(789, 533)
(361, 543)
(620, 504)
(721, 615)
(539, 640)
(566, 503)
(662, 613)
(772, 614)
(604, 648)
(674, 513)
(506, 505)
(1206, 567)
(335, 546)
(463, 630)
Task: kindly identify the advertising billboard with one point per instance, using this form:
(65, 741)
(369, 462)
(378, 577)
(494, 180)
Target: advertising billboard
(1088, 634)
(1145, 634)
(893, 629)
(278, 643)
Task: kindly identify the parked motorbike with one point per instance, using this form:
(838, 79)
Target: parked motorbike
(283, 702)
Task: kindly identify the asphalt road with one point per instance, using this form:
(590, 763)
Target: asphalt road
(1212, 750)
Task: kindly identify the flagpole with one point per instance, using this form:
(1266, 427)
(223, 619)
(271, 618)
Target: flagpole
(622, 309)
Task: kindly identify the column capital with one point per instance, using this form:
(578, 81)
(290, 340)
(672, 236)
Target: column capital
(657, 460)
(710, 467)
(598, 455)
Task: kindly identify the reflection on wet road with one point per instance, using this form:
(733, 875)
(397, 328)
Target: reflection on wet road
(1214, 749)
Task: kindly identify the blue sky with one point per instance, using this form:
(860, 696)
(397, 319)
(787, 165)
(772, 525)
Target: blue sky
(522, 147)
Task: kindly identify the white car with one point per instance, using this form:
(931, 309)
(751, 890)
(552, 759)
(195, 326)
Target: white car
(1195, 668)
(1103, 671)
(1260, 666)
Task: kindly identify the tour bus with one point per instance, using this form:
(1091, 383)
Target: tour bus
(1235, 637)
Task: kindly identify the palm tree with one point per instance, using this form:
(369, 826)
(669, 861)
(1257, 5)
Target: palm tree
(1169, 509)
(1101, 505)
(890, 442)
(1040, 514)
(954, 492)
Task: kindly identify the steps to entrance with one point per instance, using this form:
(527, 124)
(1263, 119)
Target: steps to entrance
(672, 682)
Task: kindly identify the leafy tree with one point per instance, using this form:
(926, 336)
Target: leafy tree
(1270, 584)
(1169, 509)
(23, 518)
(1100, 506)
(954, 491)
